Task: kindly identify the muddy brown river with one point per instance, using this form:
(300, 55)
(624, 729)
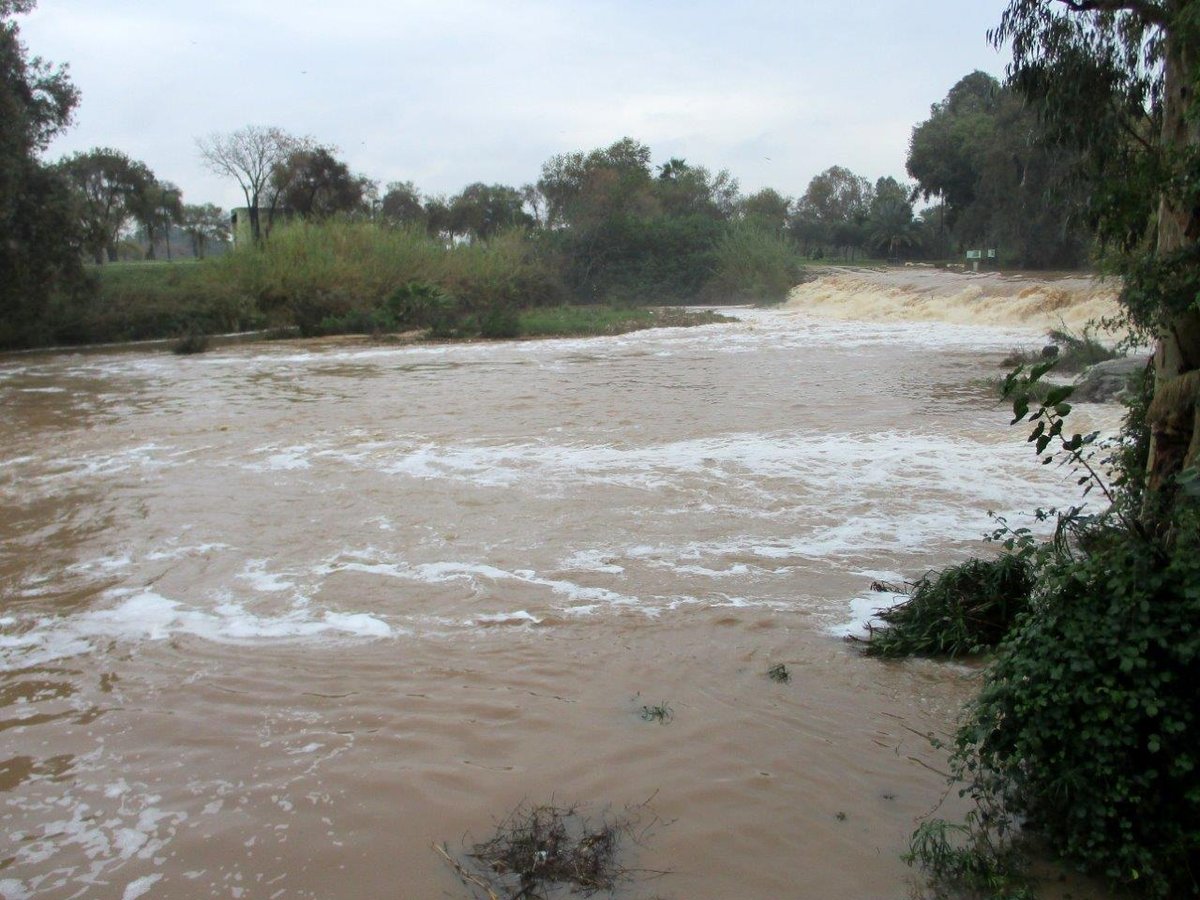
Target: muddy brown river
(277, 618)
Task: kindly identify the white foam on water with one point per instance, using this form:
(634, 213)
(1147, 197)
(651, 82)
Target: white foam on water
(140, 886)
(184, 552)
(520, 617)
(864, 612)
(149, 616)
(104, 564)
(472, 573)
(86, 468)
(282, 459)
(736, 570)
(260, 579)
(822, 471)
(592, 561)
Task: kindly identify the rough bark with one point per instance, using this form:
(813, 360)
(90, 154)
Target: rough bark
(1174, 417)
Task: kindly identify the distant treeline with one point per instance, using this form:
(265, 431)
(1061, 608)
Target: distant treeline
(318, 245)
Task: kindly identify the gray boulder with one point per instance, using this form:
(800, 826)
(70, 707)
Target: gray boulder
(1106, 381)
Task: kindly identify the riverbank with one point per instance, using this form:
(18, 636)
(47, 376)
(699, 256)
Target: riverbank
(347, 277)
(540, 324)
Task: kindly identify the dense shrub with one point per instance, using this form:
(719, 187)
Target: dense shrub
(500, 322)
(1088, 726)
(753, 265)
(341, 276)
(1086, 733)
(640, 259)
(960, 610)
(418, 304)
(141, 301)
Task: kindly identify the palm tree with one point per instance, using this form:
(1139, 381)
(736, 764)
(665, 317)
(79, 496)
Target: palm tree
(892, 227)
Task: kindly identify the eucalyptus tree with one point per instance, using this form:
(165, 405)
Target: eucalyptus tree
(833, 210)
(481, 211)
(1116, 80)
(583, 189)
(982, 152)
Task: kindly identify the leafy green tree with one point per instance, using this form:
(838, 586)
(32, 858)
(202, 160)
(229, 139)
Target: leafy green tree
(767, 209)
(481, 211)
(157, 207)
(933, 236)
(942, 152)
(108, 187)
(891, 228)
(889, 190)
(982, 154)
(833, 211)
(204, 223)
(1116, 81)
(535, 202)
(39, 237)
(583, 189)
(685, 190)
(313, 184)
(402, 205)
(437, 218)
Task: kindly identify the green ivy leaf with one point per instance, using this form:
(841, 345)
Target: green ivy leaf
(1020, 409)
(1057, 395)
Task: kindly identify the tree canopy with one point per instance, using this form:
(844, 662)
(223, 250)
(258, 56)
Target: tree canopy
(982, 153)
(1115, 80)
(39, 241)
(314, 184)
(109, 188)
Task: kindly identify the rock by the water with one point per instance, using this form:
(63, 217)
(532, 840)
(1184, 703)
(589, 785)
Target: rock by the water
(1107, 380)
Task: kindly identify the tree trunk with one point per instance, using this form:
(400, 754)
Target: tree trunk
(1174, 415)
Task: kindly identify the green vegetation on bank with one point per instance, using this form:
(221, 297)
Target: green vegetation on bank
(962, 609)
(1082, 742)
(143, 301)
(1070, 352)
(345, 277)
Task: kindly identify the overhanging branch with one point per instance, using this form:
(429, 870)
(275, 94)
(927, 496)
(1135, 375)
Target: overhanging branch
(1151, 13)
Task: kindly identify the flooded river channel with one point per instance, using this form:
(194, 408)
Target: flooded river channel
(277, 618)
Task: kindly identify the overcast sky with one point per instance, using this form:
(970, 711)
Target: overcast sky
(451, 92)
